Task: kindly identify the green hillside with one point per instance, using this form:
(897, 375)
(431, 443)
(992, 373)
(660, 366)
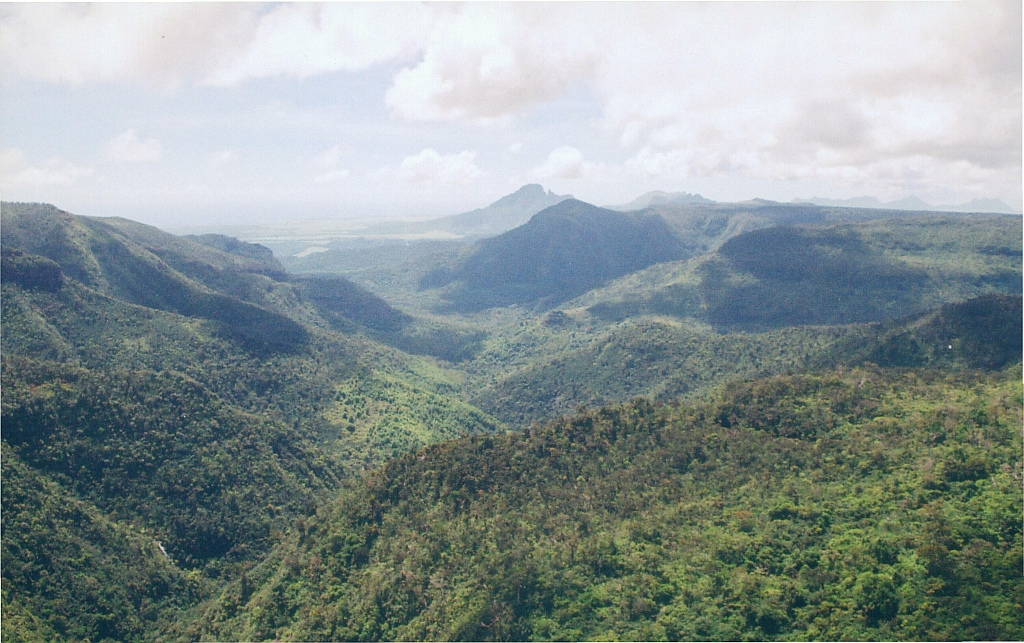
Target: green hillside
(562, 252)
(189, 390)
(72, 573)
(868, 505)
(984, 333)
(199, 444)
(159, 450)
(664, 358)
(829, 274)
(659, 358)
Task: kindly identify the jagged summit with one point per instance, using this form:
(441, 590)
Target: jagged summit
(657, 197)
(508, 212)
(528, 194)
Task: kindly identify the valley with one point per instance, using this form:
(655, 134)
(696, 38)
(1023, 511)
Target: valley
(541, 419)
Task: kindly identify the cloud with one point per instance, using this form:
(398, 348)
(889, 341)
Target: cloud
(768, 90)
(563, 163)
(162, 45)
(17, 172)
(332, 176)
(759, 91)
(303, 40)
(208, 43)
(487, 62)
(129, 148)
(429, 167)
(326, 166)
(328, 159)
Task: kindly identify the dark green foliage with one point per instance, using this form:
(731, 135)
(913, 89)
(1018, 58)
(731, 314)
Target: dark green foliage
(350, 308)
(665, 360)
(804, 276)
(979, 333)
(101, 255)
(658, 359)
(562, 252)
(339, 300)
(30, 271)
(260, 254)
(159, 450)
(769, 277)
(184, 392)
(448, 342)
(70, 573)
(864, 506)
(187, 391)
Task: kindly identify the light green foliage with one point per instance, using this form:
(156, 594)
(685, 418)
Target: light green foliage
(159, 393)
(660, 358)
(863, 506)
(189, 391)
(378, 417)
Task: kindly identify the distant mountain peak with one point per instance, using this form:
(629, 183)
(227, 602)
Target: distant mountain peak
(912, 203)
(658, 197)
(528, 195)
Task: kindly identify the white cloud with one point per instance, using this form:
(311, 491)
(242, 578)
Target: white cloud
(564, 163)
(328, 159)
(927, 93)
(17, 172)
(794, 91)
(304, 40)
(332, 176)
(211, 43)
(129, 148)
(429, 167)
(492, 61)
(326, 166)
(161, 44)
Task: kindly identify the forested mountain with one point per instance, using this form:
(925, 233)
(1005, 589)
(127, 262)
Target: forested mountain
(510, 211)
(868, 505)
(664, 359)
(72, 573)
(787, 275)
(198, 443)
(188, 390)
(656, 197)
(562, 252)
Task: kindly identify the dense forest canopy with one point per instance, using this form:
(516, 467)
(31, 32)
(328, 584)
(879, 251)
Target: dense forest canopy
(692, 421)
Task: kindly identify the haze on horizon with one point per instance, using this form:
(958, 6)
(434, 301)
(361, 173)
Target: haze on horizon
(185, 114)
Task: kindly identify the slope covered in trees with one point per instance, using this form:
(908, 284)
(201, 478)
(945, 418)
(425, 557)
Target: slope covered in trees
(178, 413)
(842, 273)
(188, 390)
(562, 252)
(663, 358)
(868, 505)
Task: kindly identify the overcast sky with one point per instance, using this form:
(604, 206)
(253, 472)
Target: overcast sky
(182, 114)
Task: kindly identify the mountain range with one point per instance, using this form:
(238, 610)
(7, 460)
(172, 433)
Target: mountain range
(695, 420)
(508, 212)
(561, 252)
(656, 197)
(914, 203)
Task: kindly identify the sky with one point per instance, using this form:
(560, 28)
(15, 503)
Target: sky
(207, 113)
